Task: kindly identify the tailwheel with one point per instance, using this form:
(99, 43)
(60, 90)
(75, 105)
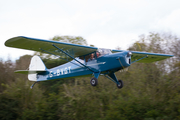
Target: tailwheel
(94, 81)
(120, 85)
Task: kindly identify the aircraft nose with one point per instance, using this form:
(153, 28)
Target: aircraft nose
(128, 57)
(129, 54)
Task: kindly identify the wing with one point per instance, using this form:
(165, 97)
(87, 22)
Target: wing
(151, 57)
(45, 46)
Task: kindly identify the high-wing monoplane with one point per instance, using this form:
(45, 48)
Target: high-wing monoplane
(80, 60)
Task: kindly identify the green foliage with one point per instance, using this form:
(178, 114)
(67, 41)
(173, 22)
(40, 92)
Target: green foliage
(8, 108)
(50, 63)
(6, 72)
(150, 92)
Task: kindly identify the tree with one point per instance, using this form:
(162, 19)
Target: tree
(151, 91)
(6, 73)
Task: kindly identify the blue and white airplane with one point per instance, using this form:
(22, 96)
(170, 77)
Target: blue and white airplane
(81, 60)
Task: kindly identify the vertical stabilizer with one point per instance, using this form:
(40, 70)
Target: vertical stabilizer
(36, 64)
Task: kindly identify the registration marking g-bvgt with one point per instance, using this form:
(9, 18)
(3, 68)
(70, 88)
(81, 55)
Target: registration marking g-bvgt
(59, 72)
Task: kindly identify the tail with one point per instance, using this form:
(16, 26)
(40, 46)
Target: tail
(36, 66)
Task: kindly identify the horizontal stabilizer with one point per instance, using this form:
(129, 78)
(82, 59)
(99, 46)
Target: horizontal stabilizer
(36, 66)
(29, 71)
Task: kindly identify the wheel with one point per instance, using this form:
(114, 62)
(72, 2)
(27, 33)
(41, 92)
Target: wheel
(94, 81)
(120, 85)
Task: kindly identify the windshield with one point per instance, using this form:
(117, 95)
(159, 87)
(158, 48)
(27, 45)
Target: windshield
(103, 51)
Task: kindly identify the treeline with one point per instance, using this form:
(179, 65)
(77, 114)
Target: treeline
(151, 91)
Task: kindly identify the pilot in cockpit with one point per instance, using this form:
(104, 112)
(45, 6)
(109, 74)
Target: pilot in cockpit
(97, 54)
(91, 57)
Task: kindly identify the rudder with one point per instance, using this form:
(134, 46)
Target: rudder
(36, 65)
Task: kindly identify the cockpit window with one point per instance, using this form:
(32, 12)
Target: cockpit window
(103, 51)
(93, 56)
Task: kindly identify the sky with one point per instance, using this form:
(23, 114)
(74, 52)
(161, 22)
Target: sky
(103, 23)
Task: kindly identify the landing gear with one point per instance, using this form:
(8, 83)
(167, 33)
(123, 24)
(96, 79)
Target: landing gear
(33, 84)
(94, 81)
(120, 85)
(111, 76)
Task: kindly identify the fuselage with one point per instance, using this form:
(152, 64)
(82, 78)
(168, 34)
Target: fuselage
(106, 63)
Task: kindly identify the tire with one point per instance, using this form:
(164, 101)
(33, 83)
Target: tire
(120, 85)
(94, 81)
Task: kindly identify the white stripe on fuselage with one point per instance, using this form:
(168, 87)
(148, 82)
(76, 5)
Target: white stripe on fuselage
(89, 65)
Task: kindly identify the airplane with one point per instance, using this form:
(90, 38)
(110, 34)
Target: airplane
(80, 60)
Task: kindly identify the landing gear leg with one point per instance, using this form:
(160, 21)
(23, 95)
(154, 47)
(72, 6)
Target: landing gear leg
(112, 77)
(33, 84)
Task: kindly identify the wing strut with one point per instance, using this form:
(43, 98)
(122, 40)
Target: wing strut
(140, 59)
(74, 59)
(59, 57)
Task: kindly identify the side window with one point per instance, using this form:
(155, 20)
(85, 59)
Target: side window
(91, 57)
(81, 59)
